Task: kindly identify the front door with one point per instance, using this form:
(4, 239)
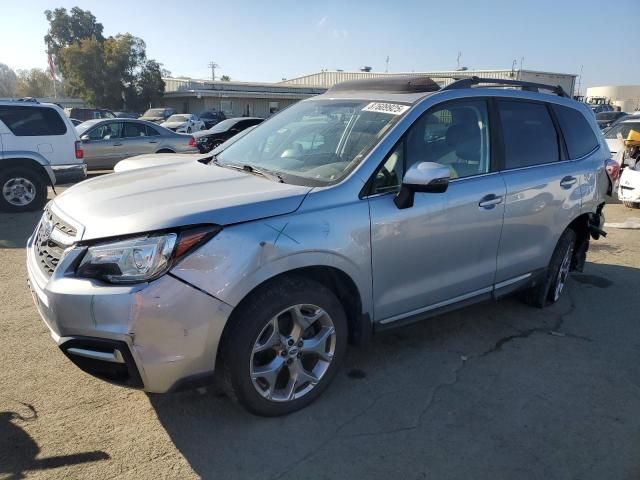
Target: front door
(442, 249)
(104, 147)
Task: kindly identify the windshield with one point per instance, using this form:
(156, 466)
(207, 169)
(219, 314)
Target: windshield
(178, 118)
(84, 126)
(623, 128)
(318, 140)
(208, 115)
(608, 115)
(154, 112)
(224, 125)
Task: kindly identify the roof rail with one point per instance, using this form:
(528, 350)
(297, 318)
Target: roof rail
(468, 82)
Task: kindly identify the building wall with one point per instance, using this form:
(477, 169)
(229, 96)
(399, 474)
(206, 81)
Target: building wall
(231, 106)
(329, 78)
(627, 97)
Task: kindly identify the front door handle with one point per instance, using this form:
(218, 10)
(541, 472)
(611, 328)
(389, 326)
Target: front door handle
(490, 201)
(568, 181)
(153, 141)
(117, 144)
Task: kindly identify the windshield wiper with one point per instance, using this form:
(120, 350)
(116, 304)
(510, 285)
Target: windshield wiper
(276, 177)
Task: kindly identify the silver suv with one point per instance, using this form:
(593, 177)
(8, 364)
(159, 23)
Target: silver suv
(376, 204)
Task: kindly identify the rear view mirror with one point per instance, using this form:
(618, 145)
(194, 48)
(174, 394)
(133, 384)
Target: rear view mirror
(428, 177)
(84, 138)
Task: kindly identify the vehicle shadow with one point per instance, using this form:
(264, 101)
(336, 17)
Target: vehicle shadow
(388, 388)
(16, 228)
(18, 451)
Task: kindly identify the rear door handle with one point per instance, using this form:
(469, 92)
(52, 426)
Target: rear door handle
(153, 141)
(117, 144)
(568, 181)
(490, 201)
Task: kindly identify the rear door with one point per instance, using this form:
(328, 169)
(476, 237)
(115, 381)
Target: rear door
(543, 189)
(136, 139)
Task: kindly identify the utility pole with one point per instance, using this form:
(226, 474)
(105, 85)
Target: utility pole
(458, 60)
(386, 68)
(580, 79)
(213, 65)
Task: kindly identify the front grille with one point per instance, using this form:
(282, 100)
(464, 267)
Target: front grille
(49, 251)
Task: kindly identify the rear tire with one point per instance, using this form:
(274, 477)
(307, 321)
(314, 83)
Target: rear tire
(553, 284)
(22, 190)
(270, 366)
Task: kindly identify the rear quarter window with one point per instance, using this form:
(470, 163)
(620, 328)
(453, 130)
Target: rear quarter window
(577, 132)
(32, 121)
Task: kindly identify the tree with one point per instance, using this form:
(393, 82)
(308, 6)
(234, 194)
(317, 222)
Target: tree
(35, 83)
(225, 78)
(111, 72)
(8, 81)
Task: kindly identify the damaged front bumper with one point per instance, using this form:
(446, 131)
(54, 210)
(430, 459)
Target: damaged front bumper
(154, 336)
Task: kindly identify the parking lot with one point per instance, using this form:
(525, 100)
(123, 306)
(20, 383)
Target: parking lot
(498, 390)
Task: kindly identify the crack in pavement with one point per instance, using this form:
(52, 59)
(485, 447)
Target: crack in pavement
(555, 330)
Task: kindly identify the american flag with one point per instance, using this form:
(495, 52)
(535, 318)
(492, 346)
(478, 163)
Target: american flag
(52, 67)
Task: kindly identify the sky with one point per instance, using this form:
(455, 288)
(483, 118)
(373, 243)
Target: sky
(270, 40)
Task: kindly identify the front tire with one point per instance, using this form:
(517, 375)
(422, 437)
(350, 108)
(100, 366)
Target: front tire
(550, 289)
(284, 346)
(22, 190)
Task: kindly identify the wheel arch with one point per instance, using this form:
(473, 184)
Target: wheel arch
(336, 280)
(29, 163)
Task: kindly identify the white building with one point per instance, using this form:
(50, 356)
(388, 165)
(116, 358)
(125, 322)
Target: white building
(626, 97)
(329, 78)
(238, 99)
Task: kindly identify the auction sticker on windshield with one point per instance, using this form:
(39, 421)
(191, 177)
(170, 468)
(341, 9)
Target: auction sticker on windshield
(390, 108)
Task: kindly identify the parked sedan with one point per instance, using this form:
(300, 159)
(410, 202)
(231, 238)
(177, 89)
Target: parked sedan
(606, 119)
(209, 139)
(157, 115)
(184, 123)
(106, 142)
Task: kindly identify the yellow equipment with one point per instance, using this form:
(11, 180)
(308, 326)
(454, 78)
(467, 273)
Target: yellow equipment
(633, 139)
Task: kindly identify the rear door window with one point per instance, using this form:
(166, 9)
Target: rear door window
(577, 132)
(530, 137)
(133, 130)
(32, 121)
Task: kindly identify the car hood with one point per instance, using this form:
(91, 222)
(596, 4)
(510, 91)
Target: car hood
(173, 124)
(157, 159)
(174, 195)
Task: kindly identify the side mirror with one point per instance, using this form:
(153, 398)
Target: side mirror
(427, 177)
(85, 138)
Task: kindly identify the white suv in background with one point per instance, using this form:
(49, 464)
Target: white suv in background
(39, 146)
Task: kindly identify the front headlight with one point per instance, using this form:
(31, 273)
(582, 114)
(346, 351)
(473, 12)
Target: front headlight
(143, 258)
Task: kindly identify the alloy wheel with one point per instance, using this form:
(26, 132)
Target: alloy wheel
(19, 191)
(292, 353)
(563, 273)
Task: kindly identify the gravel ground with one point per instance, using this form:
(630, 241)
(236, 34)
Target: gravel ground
(498, 390)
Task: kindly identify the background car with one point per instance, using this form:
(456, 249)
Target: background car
(85, 114)
(106, 142)
(212, 117)
(125, 115)
(157, 115)
(606, 119)
(623, 128)
(75, 121)
(209, 139)
(184, 123)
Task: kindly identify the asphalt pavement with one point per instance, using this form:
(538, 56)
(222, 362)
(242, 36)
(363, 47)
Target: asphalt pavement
(495, 391)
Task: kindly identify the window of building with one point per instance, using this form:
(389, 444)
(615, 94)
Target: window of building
(32, 121)
(274, 107)
(530, 137)
(226, 106)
